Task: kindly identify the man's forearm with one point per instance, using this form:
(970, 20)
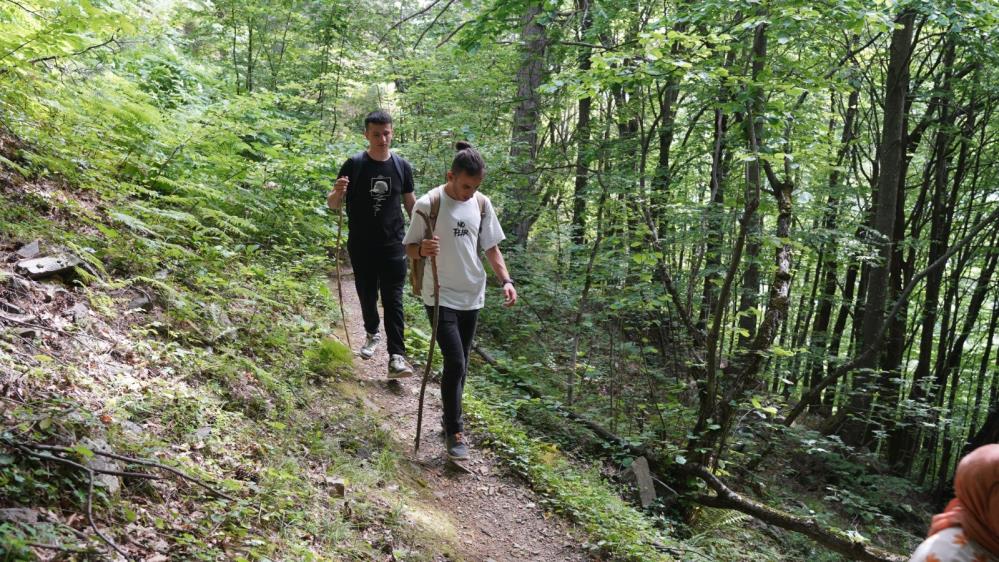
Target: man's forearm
(413, 251)
(496, 261)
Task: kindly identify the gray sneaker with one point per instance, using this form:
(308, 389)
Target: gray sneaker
(457, 448)
(399, 368)
(368, 349)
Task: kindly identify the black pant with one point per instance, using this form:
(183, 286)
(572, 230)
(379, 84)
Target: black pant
(455, 330)
(385, 272)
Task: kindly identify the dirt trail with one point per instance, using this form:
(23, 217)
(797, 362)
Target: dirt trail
(496, 515)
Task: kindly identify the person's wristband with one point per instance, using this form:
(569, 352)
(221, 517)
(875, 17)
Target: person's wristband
(505, 281)
(419, 250)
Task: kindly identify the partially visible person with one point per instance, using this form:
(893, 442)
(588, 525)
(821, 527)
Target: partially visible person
(464, 223)
(376, 184)
(968, 529)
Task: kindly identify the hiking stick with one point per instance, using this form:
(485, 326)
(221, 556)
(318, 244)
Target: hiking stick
(339, 283)
(433, 340)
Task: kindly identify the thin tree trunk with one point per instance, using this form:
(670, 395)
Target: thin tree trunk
(583, 158)
(754, 183)
(823, 316)
(983, 370)
(953, 366)
(570, 380)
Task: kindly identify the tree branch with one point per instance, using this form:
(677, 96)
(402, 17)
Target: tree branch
(143, 462)
(407, 18)
(112, 39)
(433, 23)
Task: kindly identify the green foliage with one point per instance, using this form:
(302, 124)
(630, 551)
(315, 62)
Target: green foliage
(138, 157)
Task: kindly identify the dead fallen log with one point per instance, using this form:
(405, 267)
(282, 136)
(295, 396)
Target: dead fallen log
(725, 498)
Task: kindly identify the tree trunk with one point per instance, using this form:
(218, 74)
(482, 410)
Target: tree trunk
(853, 430)
(526, 117)
(983, 370)
(952, 369)
(902, 445)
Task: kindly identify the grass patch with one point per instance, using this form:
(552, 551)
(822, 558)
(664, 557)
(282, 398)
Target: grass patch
(614, 527)
(329, 358)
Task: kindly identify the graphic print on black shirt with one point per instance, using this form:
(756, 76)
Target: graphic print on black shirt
(381, 187)
(375, 219)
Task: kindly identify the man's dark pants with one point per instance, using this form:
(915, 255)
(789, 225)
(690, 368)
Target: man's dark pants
(381, 271)
(455, 330)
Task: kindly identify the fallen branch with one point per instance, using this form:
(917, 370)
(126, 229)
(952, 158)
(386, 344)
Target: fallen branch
(60, 548)
(143, 462)
(63, 333)
(655, 463)
(90, 516)
(25, 448)
(74, 464)
(726, 498)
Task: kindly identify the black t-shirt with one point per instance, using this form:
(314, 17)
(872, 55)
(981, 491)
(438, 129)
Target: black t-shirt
(374, 202)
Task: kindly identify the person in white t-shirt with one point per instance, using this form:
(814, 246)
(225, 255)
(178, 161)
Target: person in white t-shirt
(465, 222)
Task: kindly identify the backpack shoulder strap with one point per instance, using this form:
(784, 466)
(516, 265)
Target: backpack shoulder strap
(430, 218)
(435, 204)
(397, 162)
(481, 200)
(355, 165)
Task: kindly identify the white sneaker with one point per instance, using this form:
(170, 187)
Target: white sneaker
(368, 349)
(399, 368)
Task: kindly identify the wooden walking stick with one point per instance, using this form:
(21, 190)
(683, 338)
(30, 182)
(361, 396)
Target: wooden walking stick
(433, 336)
(339, 283)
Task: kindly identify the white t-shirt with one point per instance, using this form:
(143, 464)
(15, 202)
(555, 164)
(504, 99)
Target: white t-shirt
(459, 268)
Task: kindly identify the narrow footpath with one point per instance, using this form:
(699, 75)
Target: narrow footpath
(497, 517)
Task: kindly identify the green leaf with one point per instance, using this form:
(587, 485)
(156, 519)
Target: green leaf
(83, 452)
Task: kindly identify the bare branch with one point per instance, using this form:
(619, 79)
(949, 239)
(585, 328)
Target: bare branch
(433, 23)
(143, 462)
(455, 31)
(112, 39)
(407, 18)
(27, 9)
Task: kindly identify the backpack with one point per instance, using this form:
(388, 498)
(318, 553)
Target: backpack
(418, 265)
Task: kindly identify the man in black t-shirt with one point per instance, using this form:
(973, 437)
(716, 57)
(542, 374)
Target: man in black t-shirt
(375, 184)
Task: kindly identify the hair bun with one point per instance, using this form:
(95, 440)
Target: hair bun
(462, 145)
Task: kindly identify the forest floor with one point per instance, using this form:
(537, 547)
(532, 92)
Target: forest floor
(496, 515)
